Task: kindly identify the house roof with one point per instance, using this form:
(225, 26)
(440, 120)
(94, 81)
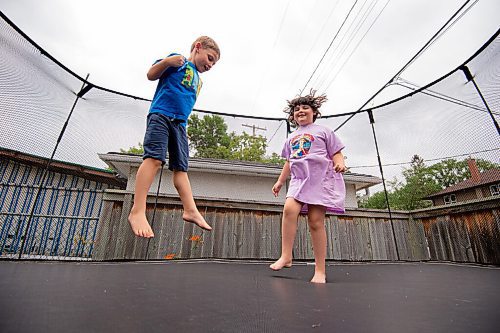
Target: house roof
(122, 162)
(485, 178)
(100, 175)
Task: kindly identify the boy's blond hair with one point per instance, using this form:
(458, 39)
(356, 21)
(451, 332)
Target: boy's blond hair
(207, 43)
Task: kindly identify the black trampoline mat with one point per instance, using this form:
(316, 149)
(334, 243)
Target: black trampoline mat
(239, 296)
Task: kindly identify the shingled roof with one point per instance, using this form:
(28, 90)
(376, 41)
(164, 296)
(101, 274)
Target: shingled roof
(87, 172)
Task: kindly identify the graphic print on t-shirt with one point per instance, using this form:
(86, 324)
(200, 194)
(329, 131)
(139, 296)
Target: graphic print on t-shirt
(300, 145)
(190, 81)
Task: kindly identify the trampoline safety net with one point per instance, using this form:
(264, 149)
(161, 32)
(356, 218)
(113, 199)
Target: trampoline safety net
(432, 156)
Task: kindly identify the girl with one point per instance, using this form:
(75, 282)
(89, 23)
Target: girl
(314, 160)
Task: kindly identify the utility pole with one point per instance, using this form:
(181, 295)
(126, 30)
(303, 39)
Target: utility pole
(253, 127)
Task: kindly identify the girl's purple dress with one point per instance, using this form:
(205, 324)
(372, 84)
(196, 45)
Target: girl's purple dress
(313, 181)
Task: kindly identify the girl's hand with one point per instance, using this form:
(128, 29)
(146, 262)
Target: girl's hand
(338, 162)
(339, 167)
(277, 188)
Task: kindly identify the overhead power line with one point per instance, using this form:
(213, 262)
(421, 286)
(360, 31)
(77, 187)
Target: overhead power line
(356, 47)
(406, 65)
(329, 46)
(346, 40)
(254, 128)
(313, 44)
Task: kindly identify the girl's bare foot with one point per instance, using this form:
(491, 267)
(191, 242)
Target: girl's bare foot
(319, 278)
(197, 219)
(281, 263)
(140, 225)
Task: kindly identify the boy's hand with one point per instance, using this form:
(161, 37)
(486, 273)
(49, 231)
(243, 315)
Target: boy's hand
(277, 188)
(176, 60)
(158, 68)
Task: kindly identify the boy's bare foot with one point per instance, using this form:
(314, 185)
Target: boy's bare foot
(318, 278)
(140, 225)
(280, 263)
(196, 218)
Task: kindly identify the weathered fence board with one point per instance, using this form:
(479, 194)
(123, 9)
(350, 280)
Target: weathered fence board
(417, 241)
(377, 239)
(343, 239)
(275, 229)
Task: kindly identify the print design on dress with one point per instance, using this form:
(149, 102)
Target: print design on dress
(301, 144)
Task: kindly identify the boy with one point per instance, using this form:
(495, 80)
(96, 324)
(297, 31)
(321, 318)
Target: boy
(173, 101)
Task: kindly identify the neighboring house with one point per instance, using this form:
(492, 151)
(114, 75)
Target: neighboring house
(68, 207)
(480, 185)
(228, 180)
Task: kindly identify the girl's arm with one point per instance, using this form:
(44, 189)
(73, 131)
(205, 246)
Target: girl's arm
(338, 162)
(157, 69)
(285, 173)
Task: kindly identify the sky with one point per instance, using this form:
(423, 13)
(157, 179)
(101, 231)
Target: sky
(269, 49)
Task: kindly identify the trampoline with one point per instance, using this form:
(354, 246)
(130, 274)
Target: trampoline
(246, 296)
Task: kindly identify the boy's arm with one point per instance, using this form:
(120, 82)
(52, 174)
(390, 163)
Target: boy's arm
(285, 173)
(157, 69)
(338, 162)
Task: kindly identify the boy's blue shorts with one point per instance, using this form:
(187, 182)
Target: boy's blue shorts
(162, 134)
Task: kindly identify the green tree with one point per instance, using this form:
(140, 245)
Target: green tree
(418, 184)
(407, 194)
(376, 201)
(420, 181)
(274, 159)
(449, 172)
(248, 148)
(134, 150)
(208, 137)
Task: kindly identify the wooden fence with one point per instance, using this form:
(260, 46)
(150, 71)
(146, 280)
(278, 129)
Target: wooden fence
(246, 230)
(468, 232)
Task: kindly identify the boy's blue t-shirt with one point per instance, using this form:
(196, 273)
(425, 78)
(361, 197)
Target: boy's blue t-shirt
(177, 90)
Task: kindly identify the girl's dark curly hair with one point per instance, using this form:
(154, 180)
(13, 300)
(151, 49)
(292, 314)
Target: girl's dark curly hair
(314, 102)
